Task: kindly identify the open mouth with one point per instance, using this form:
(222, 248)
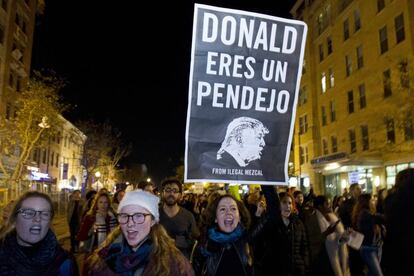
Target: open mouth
(228, 222)
(35, 230)
(132, 234)
(286, 212)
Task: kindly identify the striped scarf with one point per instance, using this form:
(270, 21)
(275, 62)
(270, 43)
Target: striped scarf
(104, 225)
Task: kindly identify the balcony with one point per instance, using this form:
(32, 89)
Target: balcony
(20, 36)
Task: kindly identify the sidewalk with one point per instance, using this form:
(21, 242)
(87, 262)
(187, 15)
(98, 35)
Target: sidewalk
(61, 228)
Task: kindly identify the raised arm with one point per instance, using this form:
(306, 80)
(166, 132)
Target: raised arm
(272, 202)
(272, 217)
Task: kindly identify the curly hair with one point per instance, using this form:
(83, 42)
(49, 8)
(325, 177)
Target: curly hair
(208, 217)
(163, 257)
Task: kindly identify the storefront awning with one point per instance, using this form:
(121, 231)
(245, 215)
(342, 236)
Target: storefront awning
(342, 162)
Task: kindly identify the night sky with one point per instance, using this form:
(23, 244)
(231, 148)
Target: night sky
(129, 65)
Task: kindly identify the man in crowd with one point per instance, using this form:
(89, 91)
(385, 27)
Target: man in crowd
(74, 216)
(179, 223)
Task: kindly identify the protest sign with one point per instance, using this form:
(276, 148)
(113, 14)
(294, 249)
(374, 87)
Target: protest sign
(243, 89)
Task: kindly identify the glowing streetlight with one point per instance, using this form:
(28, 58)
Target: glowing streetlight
(148, 179)
(98, 174)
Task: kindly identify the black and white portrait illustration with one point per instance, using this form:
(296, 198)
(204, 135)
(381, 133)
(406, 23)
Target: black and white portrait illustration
(244, 140)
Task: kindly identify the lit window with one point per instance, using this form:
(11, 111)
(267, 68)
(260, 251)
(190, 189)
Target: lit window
(331, 78)
(323, 82)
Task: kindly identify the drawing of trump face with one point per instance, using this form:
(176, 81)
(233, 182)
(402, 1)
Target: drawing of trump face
(244, 140)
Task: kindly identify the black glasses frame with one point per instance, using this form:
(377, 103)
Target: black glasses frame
(132, 217)
(29, 213)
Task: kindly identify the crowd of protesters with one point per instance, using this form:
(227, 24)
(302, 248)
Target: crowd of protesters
(270, 231)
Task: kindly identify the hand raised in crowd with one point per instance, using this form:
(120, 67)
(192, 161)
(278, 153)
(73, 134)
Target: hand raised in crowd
(261, 208)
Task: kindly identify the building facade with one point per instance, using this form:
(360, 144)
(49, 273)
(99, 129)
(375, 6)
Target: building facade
(354, 121)
(58, 163)
(17, 22)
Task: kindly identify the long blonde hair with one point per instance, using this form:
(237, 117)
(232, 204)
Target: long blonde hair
(164, 255)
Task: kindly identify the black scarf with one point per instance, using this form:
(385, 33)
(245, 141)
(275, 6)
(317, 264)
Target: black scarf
(43, 258)
(121, 258)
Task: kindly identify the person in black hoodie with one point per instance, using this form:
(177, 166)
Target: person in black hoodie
(283, 246)
(226, 236)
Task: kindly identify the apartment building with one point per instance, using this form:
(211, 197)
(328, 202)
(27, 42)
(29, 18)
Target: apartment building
(354, 121)
(58, 163)
(17, 21)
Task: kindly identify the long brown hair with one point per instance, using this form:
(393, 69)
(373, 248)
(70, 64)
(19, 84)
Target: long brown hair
(362, 204)
(163, 257)
(11, 222)
(208, 217)
(92, 210)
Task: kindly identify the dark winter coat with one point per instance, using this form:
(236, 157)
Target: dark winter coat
(319, 263)
(284, 248)
(207, 264)
(45, 258)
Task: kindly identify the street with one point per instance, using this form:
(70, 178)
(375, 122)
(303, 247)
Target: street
(61, 229)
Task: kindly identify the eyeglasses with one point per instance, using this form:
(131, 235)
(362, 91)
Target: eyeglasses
(31, 213)
(170, 190)
(137, 218)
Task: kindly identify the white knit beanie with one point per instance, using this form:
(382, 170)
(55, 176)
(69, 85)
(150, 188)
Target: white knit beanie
(143, 199)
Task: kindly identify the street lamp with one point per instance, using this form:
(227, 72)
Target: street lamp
(45, 125)
(97, 175)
